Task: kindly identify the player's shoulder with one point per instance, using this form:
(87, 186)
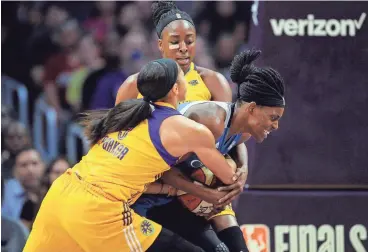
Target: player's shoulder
(211, 114)
(132, 79)
(216, 83)
(208, 108)
(210, 75)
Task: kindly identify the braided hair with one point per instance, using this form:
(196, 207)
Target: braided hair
(165, 12)
(264, 86)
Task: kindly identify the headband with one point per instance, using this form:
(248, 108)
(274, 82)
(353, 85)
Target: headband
(175, 15)
(171, 75)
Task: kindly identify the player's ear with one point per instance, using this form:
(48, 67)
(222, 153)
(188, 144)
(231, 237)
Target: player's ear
(251, 107)
(175, 89)
(160, 47)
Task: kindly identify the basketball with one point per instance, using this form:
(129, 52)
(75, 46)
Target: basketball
(205, 177)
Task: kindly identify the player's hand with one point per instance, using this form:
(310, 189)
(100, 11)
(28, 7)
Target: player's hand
(234, 189)
(214, 196)
(241, 172)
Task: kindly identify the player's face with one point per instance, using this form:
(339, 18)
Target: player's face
(178, 43)
(263, 120)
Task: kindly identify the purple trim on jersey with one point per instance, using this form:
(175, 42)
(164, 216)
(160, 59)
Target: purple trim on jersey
(154, 123)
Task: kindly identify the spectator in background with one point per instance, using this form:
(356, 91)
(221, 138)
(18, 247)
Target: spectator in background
(134, 51)
(112, 65)
(7, 116)
(128, 19)
(224, 51)
(111, 44)
(153, 48)
(203, 56)
(133, 54)
(16, 137)
(41, 44)
(56, 167)
(91, 59)
(224, 17)
(144, 8)
(30, 208)
(59, 67)
(13, 234)
(25, 185)
(101, 19)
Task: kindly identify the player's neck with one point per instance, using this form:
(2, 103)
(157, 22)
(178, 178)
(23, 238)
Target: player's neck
(173, 103)
(237, 124)
(186, 69)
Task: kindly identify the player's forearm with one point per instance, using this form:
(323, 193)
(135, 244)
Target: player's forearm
(242, 155)
(154, 188)
(159, 188)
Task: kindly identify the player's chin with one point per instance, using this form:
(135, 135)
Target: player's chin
(259, 138)
(184, 66)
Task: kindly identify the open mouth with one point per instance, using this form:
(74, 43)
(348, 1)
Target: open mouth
(265, 133)
(183, 61)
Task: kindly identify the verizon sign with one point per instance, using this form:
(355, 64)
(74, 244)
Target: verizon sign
(317, 27)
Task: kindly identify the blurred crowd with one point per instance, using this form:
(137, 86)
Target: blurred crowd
(77, 54)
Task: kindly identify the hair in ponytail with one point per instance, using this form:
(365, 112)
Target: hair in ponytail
(154, 81)
(264, 86)
(123, 116)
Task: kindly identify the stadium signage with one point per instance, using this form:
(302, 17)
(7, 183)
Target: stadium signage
(317, 27)
(304, 238)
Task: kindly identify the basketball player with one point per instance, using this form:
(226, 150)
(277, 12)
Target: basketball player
(177, 40)
(88, 207)
(257, 112)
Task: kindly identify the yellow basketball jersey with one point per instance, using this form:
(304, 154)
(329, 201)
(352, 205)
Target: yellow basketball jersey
(196, 88)
(123, 163)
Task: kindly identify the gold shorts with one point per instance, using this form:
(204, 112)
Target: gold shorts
(77, 216)
(227, 211)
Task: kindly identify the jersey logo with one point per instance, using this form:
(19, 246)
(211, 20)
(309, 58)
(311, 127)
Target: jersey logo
(147, 228)
(193, 82)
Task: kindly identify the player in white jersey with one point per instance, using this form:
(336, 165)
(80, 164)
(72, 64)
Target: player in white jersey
(256, 112)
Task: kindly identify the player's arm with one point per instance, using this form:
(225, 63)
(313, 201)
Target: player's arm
(218, 86)
(202, 143)
(176, 179)
(128, 90)
(240, 154)
(180, 135)
(160, 188)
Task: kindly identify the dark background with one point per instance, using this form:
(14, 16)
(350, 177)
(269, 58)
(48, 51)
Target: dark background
(322, 138)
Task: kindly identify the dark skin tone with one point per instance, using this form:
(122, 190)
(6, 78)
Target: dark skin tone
(259, 121)
(177, 42)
